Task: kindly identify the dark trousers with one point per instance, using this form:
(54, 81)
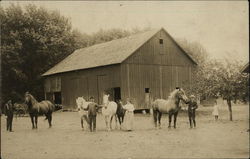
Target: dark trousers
(9, 122)
(92, 122)
(191, 116)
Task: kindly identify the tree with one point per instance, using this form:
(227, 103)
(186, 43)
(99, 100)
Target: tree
(228, 82)
(213, 78)
(33, 39)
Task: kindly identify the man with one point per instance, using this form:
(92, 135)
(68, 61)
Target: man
(9, 111)
(192, 106)
(92, 112)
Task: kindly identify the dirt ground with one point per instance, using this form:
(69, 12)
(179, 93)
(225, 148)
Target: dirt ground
(210, 139)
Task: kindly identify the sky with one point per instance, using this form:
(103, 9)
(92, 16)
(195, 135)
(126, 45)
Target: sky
(222, 27)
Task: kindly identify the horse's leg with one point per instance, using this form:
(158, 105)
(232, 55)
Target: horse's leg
(159, 119)
(155, 117)
(116, 119)
(106, 121)
(82, 122)
(110, 121)
(50, 120)
(36, 121)
(32, 121)
(169, 119)
(175, 119)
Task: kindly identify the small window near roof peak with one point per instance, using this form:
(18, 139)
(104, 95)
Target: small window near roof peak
(161, 41)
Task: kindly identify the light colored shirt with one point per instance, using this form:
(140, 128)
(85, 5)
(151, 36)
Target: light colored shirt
(129, 107)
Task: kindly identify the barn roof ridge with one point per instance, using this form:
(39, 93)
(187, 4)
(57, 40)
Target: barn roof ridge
(96, 55)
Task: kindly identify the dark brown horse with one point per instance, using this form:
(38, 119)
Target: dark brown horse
(39, 108)
(120, 112)
(170, 106)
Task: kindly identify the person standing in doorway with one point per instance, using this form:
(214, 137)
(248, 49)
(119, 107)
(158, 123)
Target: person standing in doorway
(9, 111)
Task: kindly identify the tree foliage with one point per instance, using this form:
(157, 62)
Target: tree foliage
(33, 39)
(213, 78)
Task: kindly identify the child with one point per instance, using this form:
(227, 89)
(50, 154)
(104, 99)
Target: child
(129, 115)
(192, 106)
(216, 111)
(92, 111)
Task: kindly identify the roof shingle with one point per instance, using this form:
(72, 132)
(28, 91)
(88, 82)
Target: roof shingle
(108, 53)
(112, 52)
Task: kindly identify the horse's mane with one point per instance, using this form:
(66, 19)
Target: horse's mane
(32, 97)
(32, 101)
(172, 94)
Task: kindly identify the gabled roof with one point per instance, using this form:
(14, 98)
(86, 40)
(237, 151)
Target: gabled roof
(108, 53)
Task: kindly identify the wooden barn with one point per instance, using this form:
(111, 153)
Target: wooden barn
(144, 65)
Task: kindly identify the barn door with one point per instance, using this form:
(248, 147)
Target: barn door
(116, 94)
(102, 85)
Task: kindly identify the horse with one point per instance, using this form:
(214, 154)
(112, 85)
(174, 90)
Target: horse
(81, 105)
(35, 108)
(120, 113)
(170, 106)
(109, 111)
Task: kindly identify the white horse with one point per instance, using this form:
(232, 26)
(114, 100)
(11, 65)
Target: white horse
(81, 105)
(109, 111)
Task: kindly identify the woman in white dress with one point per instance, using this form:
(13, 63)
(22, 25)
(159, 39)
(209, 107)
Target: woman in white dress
(129, 116)
(216, 111)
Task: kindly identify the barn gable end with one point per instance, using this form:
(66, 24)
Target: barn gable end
(155, 69)
(167, 53)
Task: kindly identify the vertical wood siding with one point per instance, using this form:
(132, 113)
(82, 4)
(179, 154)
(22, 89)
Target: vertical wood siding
(88, 83)
(158, 67)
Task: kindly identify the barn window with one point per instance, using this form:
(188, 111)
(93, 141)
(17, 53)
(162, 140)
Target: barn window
(161, 41)
(146, 90)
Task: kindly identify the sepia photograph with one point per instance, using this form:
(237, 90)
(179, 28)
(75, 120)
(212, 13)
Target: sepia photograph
(124, 79)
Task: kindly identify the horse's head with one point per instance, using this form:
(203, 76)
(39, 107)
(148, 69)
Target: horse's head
(180, 94)
(28, 99)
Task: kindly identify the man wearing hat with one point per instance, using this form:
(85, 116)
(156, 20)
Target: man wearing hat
(192, 106)
(9, 111)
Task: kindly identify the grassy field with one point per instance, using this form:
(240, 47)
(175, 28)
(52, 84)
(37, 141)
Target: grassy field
(210, 139)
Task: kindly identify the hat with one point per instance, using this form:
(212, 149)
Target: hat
(192, 96)
(177, 88)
